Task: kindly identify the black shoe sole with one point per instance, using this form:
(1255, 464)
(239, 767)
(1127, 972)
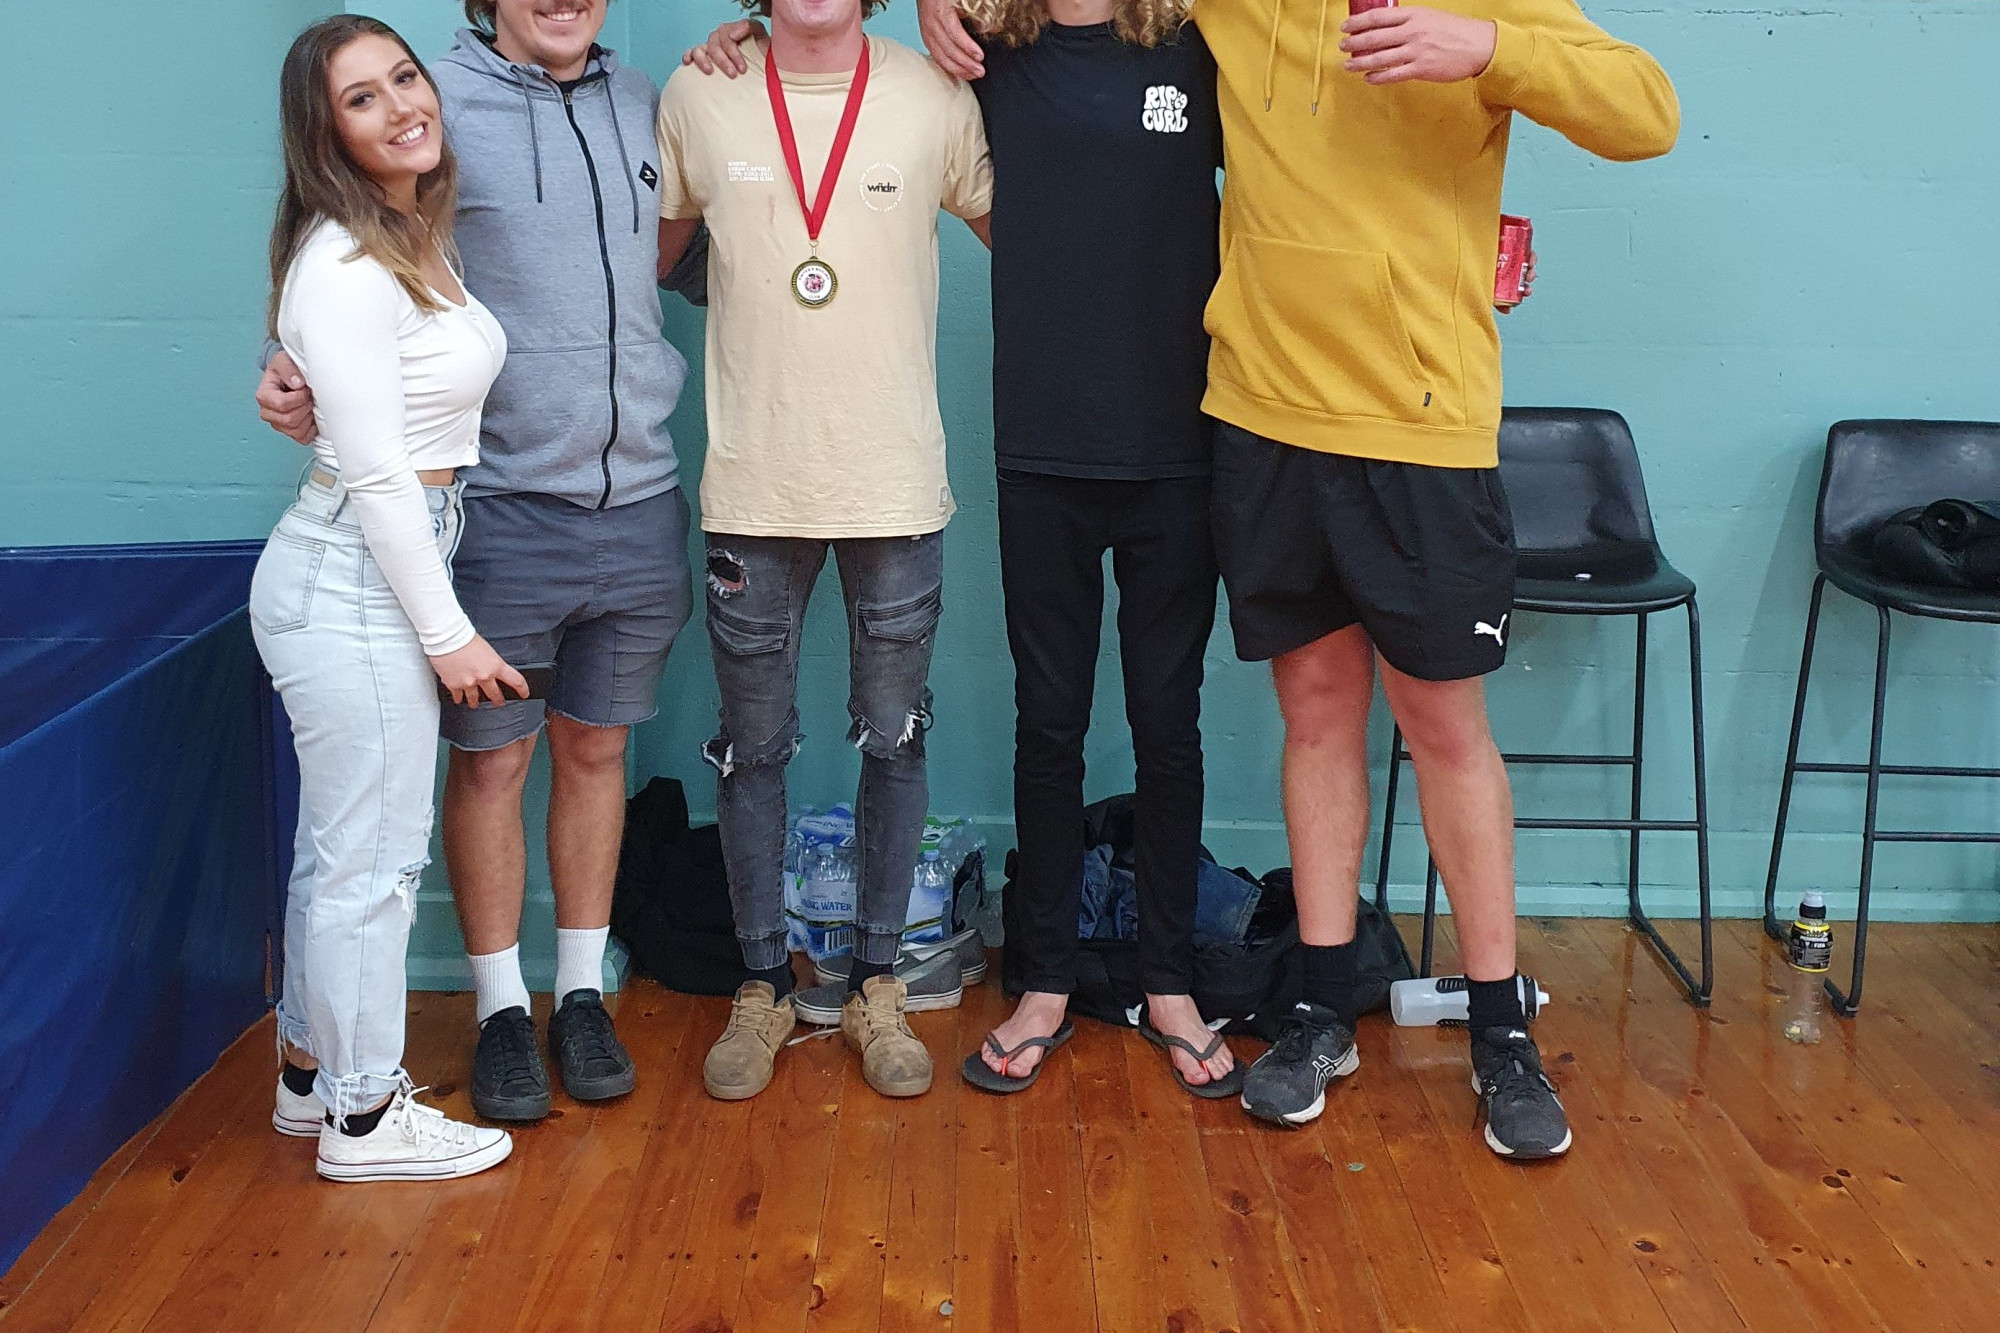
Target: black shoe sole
(602, 1089)
(511, 1108)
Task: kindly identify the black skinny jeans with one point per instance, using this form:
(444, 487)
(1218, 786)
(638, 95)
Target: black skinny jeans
(1053, 535)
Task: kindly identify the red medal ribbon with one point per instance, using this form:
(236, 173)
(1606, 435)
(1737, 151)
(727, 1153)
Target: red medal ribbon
(816, 214)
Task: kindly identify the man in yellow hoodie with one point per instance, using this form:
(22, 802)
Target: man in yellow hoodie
(1355, 370)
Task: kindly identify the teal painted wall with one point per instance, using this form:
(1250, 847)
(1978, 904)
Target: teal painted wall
(1819, 246)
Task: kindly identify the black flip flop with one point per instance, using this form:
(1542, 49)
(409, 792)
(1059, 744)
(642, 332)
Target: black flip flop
(980, 1075)
(1229, 1085)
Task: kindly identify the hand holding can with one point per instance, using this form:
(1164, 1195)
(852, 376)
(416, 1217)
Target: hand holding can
(1517, 235)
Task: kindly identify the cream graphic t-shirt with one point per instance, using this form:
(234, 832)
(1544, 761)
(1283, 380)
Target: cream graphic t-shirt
(824, 422)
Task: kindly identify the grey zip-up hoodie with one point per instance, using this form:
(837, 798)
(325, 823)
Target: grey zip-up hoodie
(558, 227)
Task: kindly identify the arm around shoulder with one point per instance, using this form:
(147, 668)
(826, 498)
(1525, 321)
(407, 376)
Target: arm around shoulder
(1558, 69)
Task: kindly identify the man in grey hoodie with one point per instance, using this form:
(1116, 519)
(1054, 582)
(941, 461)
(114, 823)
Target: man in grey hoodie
(575, 536)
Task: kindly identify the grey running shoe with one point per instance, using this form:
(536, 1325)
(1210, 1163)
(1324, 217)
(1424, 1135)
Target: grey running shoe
(1287, 1085)
(508, 1080)
(1524, 1118)
(967, 944)
(932, 983)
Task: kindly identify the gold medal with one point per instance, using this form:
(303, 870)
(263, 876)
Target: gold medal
(813, 283)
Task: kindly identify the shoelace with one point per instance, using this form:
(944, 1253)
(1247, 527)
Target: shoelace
(516, 1050)
(1519, 1077)
(1294, 1041)
(880, 1017)
(419, 1122)
(592, 1037)
(745, 1015)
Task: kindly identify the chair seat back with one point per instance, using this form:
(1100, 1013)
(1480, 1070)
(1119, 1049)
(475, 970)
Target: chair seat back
(1875, 469)
(1573, 481)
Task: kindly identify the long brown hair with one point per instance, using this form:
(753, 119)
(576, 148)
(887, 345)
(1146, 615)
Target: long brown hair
(322, 181)
(1019, 22)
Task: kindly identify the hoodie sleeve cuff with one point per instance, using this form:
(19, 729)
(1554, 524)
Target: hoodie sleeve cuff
(1513, 58)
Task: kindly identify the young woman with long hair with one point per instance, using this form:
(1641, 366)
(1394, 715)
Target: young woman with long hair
(352, 604)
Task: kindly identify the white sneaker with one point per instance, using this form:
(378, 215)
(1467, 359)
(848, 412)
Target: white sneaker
(411, 1142)
(295, 1116)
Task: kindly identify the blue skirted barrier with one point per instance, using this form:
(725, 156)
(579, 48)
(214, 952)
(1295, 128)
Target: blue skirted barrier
(144, 774)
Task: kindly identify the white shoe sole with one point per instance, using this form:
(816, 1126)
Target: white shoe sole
(470, 1164)
(1318, 1105)
(915, 1004)
(1504, 1151)
(294, 1129)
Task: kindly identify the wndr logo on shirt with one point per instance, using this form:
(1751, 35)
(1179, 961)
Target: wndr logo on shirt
(1166, 109)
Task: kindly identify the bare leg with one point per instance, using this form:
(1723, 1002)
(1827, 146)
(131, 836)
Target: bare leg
(1468, 812)
(1324, 691)
(485, 848)
(586, 819)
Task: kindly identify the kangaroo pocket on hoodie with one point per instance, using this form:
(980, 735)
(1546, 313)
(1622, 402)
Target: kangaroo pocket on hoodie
(1315, 329)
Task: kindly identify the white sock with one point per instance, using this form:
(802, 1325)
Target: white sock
(580, 960)
(496, 979)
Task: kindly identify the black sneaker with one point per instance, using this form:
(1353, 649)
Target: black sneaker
(1524, 1119)
(508, 1081)
(1287, 1084)
(594, 1064)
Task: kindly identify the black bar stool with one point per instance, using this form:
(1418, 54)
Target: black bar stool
(1587, 548)
(1873, 470)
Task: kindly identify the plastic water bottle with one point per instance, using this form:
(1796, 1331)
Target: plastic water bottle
(930, 900)
(1443, 1001)
(1809, 951)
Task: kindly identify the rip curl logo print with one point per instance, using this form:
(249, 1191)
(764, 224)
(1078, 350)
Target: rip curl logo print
(1166, 109)
(1498, 631)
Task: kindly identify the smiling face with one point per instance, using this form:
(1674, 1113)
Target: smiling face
(385, 112)
(554, 34)
(817, 18)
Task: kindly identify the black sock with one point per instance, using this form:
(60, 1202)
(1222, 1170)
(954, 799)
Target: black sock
(864, 970)
(779, 978)
(298, 1082)
(1494, 1004)
(1331, 980)
(364, 1122)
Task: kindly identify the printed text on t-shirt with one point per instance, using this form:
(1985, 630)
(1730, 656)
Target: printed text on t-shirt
(1166, 109)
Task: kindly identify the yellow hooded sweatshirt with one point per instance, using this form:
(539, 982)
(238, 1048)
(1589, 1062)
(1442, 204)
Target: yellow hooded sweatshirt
(1360, 223)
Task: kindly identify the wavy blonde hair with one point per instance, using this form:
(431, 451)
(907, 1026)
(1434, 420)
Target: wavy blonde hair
(1019, 22)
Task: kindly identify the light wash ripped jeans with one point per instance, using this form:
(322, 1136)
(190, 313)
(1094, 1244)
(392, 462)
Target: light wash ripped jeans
(364, 710)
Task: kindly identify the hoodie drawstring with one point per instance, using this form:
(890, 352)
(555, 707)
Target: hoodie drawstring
(534, 136)
(624, 158)
(1271, 56)
(1319, 55)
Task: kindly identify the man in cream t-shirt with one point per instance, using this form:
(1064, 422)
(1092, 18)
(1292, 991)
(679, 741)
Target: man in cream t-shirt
(821, 181)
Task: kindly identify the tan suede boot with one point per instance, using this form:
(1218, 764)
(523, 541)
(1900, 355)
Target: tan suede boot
(739, 1064)
(893, 1061)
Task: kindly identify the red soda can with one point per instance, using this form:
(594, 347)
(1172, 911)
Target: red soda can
(1517, 236)
(1363, 6)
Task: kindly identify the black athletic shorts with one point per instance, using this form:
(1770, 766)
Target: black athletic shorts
(1422, 558)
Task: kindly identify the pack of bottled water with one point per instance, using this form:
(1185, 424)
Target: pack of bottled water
(820, 889)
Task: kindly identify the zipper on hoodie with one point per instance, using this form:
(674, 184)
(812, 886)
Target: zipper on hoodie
(610, 291)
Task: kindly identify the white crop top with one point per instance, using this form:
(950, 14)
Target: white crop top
(396, 390)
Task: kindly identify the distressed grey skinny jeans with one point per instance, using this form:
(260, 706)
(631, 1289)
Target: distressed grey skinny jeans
(757, 591)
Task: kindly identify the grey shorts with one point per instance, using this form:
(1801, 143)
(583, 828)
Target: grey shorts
(599, 594)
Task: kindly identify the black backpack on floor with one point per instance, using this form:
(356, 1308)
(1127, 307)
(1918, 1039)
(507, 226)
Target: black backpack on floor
(670, 908)
(1252, 984)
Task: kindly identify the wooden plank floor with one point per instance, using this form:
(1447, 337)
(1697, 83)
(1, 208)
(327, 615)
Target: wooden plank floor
(1722, 1179)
